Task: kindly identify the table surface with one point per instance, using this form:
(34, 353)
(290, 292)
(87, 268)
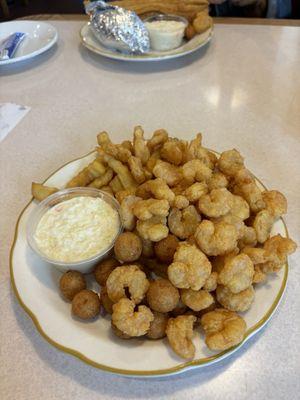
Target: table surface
(242, 91)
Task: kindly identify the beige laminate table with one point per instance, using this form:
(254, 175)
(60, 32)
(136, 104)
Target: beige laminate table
(242, 91)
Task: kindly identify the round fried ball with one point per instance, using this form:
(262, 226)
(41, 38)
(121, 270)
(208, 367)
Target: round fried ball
(166, 248)
(103, 269)
(71, 283)
(162, 296)
(128, 247)
(86, 304)
(158, 326)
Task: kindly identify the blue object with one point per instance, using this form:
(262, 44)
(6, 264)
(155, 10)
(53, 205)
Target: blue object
(9, 45)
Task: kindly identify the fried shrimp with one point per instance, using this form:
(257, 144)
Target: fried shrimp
(230, 162)
(276, 203)
(161, 190)
(131, 277)
(130, 322)
(196, 171)
(180, 333)
(196, 300)
(146, 209)
(190, 269)
(216, 239)
(223, 329)
(262, 224)
(215, 204)
(237, 273)
(153, 229)
(183, 223)
(235, 301)
(277, 249)
(126, 211)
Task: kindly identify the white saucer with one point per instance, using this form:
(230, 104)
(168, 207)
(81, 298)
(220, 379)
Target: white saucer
(89, 40)
(40, 37)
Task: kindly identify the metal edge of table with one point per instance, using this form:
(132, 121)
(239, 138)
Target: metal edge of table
(217, 20)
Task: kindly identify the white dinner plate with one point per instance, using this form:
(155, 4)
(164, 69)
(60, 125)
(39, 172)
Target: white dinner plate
(40, 37)
(89, 40)
(36, 286)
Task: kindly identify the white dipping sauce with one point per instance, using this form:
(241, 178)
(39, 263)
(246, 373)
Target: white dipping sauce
(165, 35)
(77, 229)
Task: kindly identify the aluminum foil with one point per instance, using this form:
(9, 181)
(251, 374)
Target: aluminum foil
(118, 28)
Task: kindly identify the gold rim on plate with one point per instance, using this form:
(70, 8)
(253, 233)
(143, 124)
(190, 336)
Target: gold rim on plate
(179, 368)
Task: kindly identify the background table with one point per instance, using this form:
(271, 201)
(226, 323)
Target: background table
(242, 91)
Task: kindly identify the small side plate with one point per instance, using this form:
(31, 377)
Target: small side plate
(88, 40)
(40, 37)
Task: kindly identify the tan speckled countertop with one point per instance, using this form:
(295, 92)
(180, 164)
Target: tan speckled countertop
(242, 91)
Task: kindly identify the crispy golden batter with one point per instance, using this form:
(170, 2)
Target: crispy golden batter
(180, 333)
(216, 239)
(183, 223)
(130, 322)
(237, 273)
(196, 300)
(131, 277)
(190, 269)
(223, 329)
(235, 301)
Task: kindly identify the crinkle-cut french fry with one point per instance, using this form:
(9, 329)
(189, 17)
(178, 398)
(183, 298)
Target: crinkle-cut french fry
(120, 169)
(103, 180)
(40, 191)
(88, 174)
(116, 185)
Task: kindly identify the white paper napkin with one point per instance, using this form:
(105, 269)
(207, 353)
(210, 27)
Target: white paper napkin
(10, 115)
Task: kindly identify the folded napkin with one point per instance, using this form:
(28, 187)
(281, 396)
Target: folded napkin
(10, 115)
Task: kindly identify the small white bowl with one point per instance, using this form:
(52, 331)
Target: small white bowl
(84, 266)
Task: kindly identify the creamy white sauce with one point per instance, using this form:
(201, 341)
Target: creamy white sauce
(165, 35)
(77, 229)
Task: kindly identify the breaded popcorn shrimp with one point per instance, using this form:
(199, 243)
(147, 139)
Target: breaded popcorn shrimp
(277, 248)
(196, 300)
(195, 191)
(169, 172)
(146, 209)
(190, 269)
(262, 224)
(223, 329)
(128, 276)
(215, 204)
(196, 171)
(126, 211)
(159, 137)
(161, 190)
(237, 273)
(216, 238)
(235, 301)
(217, 181)
(230, 162)
(130, 322)
(183, 223)
(172, 151)
(180, 333)
(276, 203)
(153, 229)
